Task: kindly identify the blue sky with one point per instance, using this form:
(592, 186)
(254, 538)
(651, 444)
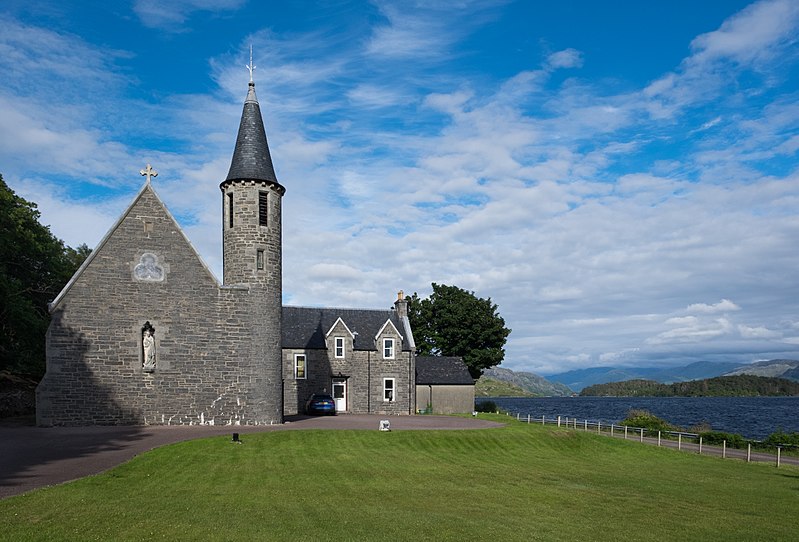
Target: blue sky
(619, 177)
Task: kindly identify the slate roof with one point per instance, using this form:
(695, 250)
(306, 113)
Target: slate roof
(305, 327)
(442, 370)
(251, 158)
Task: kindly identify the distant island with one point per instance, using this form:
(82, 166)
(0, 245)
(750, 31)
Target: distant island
(722, 386)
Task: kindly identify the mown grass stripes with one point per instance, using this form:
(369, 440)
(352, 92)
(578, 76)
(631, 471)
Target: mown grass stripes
(521, 482)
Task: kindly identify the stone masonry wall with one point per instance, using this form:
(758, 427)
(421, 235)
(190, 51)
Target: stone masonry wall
(207, 369)
(364, 369)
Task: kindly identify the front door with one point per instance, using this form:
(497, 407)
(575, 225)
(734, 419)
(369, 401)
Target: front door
(340, 394)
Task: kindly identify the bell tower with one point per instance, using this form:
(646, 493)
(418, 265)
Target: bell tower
(252, 254)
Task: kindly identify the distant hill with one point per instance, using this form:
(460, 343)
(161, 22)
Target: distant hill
(720, 386)
(530, 382)
(491, 387)
(582, 378)
(778, 368)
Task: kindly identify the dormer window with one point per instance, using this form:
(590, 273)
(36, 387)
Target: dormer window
(339, 347)
(388, 348)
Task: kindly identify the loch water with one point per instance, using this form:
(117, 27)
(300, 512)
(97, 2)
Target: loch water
(752, 417)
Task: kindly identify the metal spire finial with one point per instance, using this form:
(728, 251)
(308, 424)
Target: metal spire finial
(250, 66)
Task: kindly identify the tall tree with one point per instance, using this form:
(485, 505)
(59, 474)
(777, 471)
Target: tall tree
(34, 266)
(455, 322)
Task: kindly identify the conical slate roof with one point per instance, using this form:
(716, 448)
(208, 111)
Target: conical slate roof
(251, 158)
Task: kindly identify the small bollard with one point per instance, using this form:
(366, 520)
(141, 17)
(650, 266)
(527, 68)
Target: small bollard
(679, 441)
(724, 449)
(611, 429)
(625, 432)
(658, 438)
(749, 453)
(778, 457)
(700, 445)
(642, 434)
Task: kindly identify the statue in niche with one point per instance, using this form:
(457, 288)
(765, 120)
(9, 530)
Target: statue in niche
(148, 343)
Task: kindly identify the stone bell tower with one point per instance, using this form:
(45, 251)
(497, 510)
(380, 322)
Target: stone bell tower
(252, 251)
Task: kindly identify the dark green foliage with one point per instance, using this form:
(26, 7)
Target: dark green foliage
(34, 266)
(722, 386)
(717, 438)
(455, 322)
(648, 421)
(486, 406)
(781, 438)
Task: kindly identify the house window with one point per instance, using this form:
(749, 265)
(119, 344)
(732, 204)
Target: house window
(263, 208)
(388, 348)
(299, 366)
(259, 259)
(230, 210)
(339, 347)
(388, 390)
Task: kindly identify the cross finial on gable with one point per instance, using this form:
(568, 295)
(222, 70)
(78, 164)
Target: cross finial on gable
(149, 172)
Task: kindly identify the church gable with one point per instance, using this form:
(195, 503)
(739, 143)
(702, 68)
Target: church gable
(136, 247)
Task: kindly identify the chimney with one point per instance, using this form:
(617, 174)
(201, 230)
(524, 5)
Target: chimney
(401, 305)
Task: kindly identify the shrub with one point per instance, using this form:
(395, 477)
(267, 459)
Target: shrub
(486, 406)
(648, 421)
(781, 438)
(717, 438)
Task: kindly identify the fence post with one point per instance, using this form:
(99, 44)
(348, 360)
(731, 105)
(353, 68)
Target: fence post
(724, 449)
(611, 429)
(700, 445)
(679, 441)
(528, 419)
(778, 457)
(598, 428)
(749, 452)
(517, 416)
(575, 424)
(642, 434)
(625, 432)
(658, 438)
(585, 425)
(544, 419)
(558, 421)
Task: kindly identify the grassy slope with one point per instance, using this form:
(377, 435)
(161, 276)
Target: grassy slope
(516, 483)
(491, 387)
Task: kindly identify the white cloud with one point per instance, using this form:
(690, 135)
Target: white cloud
(567, 58)
(172, 15)
(725, 305)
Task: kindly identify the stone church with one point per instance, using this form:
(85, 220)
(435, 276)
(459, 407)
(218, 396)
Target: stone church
(144, 333)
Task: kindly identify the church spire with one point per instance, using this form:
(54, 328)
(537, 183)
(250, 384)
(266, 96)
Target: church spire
(251, 158)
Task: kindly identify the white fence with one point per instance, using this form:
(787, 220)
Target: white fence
(679, 440)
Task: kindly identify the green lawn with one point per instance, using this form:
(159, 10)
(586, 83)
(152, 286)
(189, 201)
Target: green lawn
(515, 483)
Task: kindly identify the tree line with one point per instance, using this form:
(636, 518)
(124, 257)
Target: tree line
(720, 386)
(34, 266)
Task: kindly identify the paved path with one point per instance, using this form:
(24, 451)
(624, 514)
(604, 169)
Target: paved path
(34, 457)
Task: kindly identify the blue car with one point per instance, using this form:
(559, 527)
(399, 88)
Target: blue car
(320, 404)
